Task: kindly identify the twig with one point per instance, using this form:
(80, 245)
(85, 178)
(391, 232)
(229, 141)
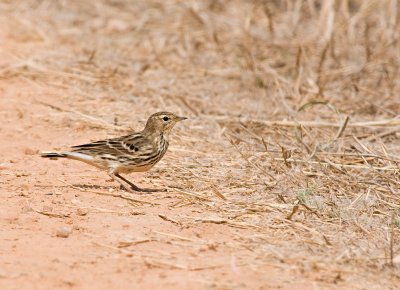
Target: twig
(125, 244)
(379, 123)
(362, 145)
(337, 166)
(46, 213)
(248, 160)
(391, 243)
(190, 193)
(383, 134)
(342, 128)
(93, 120)
(168, 219)
(128, 253)
(163, 264)
(311, 230)
(348, 154)
(229, 223)
(217, 192)
(174, 236)
(294, 210)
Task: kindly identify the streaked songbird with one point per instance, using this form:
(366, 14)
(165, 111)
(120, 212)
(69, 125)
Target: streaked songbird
(136, 152)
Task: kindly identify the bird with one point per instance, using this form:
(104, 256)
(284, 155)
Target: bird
(136, 152)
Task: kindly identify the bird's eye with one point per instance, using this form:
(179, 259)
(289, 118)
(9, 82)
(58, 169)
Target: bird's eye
(165, 119)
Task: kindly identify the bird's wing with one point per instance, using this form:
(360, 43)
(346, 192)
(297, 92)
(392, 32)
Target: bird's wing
(133, 145)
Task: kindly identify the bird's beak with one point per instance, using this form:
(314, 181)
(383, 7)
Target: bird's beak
(181, 118)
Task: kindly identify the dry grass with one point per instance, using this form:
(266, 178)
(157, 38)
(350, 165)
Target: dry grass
(294, 107)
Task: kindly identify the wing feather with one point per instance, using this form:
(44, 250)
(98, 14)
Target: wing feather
(134, 145)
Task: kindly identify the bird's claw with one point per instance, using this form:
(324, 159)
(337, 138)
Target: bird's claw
(132, 189)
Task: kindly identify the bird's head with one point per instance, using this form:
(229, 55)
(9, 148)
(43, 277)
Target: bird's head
(162, 123)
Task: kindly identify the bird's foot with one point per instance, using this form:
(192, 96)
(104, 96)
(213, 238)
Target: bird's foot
(152, 190)
(135, 189)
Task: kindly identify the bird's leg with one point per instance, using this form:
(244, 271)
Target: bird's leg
(121, 182)
(135, 188)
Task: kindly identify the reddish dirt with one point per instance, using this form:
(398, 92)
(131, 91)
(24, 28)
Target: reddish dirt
(34, 257)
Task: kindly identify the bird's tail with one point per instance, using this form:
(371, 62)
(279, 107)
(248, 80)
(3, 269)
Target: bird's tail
(53, 155)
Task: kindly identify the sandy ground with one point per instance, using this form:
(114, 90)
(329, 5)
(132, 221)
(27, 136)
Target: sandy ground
(70, 74)
(39, 205)
(54, 236)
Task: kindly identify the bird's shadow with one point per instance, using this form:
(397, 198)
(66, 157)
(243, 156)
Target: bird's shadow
(95, 186)
(91, 186)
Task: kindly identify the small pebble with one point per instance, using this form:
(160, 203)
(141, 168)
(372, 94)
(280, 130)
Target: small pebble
(63, 232)
(4, 165)
(82, 211)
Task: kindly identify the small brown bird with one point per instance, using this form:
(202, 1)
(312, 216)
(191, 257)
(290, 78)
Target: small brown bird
(136, 152)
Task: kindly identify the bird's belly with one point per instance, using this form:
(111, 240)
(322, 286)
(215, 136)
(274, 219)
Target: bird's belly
(99, 163)
(134, 168)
